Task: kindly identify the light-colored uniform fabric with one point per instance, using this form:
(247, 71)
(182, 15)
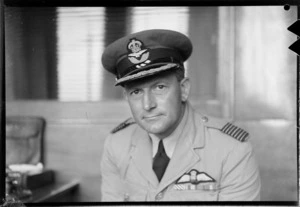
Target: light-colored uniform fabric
(226, 167)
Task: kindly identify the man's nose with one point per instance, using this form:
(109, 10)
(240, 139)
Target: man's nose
(148, 101)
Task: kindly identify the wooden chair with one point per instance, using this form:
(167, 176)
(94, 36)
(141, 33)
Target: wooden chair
(24, 139)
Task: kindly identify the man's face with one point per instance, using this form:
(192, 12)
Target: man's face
(157, 102)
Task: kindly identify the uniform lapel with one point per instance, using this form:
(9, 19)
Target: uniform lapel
(184, 156)
(142, 155)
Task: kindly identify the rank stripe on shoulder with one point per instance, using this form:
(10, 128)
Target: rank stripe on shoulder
(235, 132)
(123, 125)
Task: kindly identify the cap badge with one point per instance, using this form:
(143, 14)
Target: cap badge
(138, 55)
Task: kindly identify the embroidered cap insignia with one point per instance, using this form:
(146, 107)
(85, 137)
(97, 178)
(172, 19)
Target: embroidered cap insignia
(138, 54)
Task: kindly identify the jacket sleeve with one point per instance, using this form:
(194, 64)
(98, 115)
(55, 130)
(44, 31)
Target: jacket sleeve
(240, 175)
(110, 176)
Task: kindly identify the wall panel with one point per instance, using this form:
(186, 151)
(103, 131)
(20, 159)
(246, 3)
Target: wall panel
(265, 95)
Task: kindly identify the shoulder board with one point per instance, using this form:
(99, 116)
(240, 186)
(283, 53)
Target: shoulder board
(235, 132)
(226, 127)
(123, 125)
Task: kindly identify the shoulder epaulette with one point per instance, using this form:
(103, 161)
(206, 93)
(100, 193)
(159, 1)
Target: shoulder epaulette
(235, 132)
(226, 127)
(123, 125)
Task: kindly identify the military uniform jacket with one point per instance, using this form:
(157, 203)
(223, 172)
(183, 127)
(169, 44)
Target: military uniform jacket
(207, 165)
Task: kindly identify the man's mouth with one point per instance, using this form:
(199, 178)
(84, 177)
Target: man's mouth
(152, 117)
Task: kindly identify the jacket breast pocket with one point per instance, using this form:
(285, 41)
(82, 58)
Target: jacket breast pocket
(191, 195)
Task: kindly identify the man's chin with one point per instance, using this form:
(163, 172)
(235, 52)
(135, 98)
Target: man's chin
(153, 129)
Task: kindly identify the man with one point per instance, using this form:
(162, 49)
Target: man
(167, 151)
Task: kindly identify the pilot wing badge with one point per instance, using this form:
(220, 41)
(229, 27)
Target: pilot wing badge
(195, 177)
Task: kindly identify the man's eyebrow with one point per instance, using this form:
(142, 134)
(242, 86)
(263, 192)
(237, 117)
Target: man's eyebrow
(130, 88)
(153, 82)
(133, 87)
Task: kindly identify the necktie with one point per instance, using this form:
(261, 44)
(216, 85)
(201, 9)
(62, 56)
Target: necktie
(161, 161)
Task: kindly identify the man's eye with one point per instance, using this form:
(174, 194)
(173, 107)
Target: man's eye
(135, 92)
(160, 87)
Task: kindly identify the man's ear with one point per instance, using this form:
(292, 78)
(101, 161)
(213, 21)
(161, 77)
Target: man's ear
(185, 87)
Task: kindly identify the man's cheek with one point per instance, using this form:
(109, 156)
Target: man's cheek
(134, 110)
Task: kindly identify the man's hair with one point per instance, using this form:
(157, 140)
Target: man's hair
(180, 73)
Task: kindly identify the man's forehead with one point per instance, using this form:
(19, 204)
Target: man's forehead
(163, 77)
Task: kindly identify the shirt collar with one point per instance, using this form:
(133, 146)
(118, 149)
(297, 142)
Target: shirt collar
(170, 141)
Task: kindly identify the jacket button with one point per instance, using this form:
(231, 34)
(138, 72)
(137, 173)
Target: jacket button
(159, 196)
(126, 197)
(204, 119)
